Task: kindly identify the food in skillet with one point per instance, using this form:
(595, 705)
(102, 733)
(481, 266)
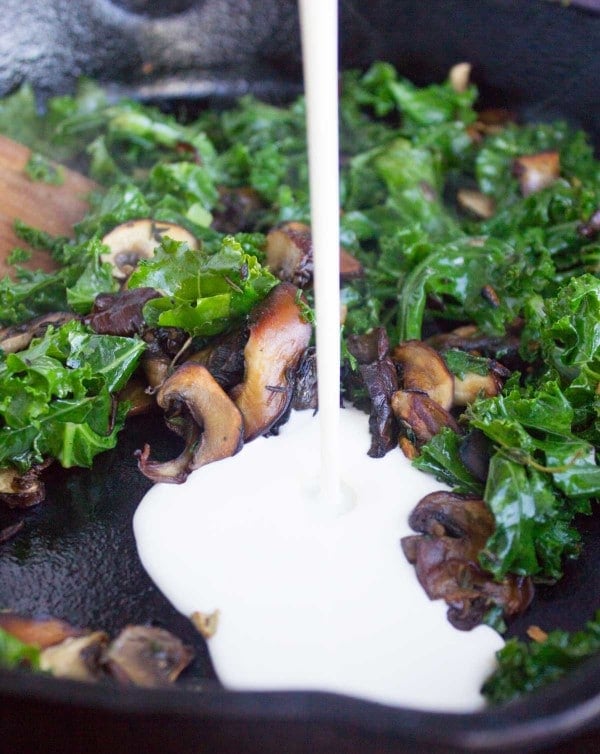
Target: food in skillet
(470, 308)
(140, 655)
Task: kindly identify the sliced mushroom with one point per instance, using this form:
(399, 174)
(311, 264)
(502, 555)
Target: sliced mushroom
(77, 658)
(472, 386)
(290, 255)
(147, 656)
(350, 267)
(177, 470)
(475, 451)
(423, 369)
(458, 515)
(21, 490)
(468, 338)
(459, 76)
(18, 337)
(279, 335)
(41, 632)
(475, 202)
(137, 396)
(212, 425)
(237, 209)
(224, 358)
(170, 341)
(163, 344)
(378, 375)
(137, 239)
(156, 368)
(421, 416)
(206, 623)
(489, 121)
(453, 531)
(493, 119)
(536, 171)
(120, 313)
(305, 385)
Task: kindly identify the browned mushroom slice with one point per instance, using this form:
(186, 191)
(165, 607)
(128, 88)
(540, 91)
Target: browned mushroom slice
(163, 344)
(137, 239)
(21, 490)
(169, 341)
(137, 396)
(18, 337)
(212, 424)
(468, 338)
(224, 358)
(378, 374)
(77, 658)
(156, 368)
(423, 369)
(290, 255)
(41, 632)
(147, 656)
(120, 313)
(206, 623)
(490, 121)
(350, 267)
(459, 516)
(421, 416)
(459, 76)
(178, 469)
(472, 386)
(305, 385)
(474, 201)
(236, 210)
(279, 335)
(475, 451)
(536, 171)
(453, 531)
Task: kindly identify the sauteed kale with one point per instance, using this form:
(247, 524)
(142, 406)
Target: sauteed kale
(476, 237)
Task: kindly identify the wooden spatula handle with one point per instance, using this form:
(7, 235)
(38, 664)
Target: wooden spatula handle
(54, 209)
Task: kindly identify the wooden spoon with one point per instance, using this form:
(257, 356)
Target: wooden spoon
(54, 209)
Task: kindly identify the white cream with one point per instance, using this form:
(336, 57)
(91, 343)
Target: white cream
(308, 600)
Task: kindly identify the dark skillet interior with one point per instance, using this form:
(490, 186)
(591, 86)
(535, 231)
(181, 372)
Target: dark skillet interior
(75, 556)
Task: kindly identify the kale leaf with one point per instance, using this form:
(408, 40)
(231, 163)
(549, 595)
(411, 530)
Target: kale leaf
(57, 396)
(526, 666)
(15, 653)
(203, 292)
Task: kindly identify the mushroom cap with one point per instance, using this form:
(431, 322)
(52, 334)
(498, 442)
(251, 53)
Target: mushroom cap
(137, 239)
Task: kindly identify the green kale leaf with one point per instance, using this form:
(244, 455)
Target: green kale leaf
(15, 653)
(57, 396)
(441, 458)
(205, 291)
(526, 666)
(539, 478)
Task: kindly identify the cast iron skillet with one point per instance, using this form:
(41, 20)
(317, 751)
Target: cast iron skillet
(75, 557)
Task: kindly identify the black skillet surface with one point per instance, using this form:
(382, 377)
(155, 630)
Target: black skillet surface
(75, 556)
